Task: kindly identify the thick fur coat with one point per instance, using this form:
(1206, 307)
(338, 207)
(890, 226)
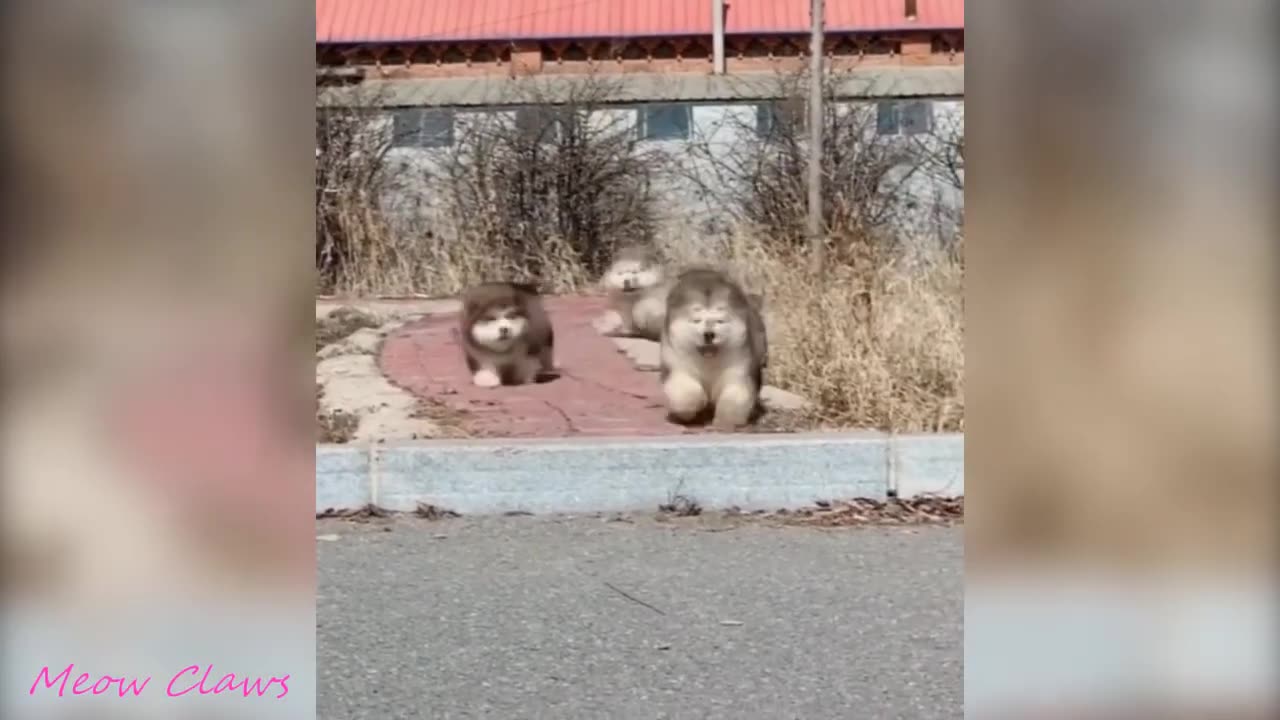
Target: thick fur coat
(713, 350)
(507, 338)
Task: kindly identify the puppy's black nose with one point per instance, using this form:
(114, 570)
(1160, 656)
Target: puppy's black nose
(504, 333)
(709, 336)
(628, 284)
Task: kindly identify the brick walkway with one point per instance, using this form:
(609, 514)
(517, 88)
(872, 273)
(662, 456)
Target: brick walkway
(599, 391)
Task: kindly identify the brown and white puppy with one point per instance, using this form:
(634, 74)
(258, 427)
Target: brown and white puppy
(506, 336)
(713, 350)
(637, 285)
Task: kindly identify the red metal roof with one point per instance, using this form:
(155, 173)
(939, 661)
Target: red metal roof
(414, 20)
(792, 16)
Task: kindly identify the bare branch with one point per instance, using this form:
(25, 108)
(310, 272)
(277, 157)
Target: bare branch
(761, 178)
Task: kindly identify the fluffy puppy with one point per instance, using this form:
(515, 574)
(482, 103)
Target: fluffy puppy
(506, 336)
(713, 350)
(637, 285)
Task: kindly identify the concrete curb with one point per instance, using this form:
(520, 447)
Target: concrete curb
(753, 472)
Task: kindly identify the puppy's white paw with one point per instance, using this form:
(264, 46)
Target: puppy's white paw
(734, 406)
(486, 379)
(610, 324)
(685, 397)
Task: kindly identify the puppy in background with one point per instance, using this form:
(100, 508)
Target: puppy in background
(506, 336)
(637, 285)
(713, 350)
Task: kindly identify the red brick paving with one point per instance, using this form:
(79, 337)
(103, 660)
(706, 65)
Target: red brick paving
(599, 391)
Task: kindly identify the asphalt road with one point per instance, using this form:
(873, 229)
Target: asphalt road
(530, 618)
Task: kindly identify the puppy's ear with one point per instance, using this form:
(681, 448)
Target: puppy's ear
(756, 300)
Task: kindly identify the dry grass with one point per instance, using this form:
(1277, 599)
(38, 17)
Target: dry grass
(440, 262)
(340, 324)
(894, 511)
(540, 196)
(881, 345)
(334, 426)
(876, 342)
(450, 422)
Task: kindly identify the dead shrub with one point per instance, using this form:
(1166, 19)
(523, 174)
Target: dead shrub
(540, 189)
(763, 182)
(544, 193)
(334, 426)
(876, 342)
(340, 324)
(351, 233)
(555, 181)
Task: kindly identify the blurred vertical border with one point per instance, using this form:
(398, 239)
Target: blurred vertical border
(1121, 441)
(157, 282)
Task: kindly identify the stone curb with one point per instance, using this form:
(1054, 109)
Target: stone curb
(752, 472)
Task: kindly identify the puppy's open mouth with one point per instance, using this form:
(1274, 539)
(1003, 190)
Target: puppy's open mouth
(708, 350)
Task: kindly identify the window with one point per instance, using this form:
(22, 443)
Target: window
(766, 119)
(543, 123)
(664, 122)
(904, 118)
(779, 117)
(422, 128)
(886, 118)
(915, 117)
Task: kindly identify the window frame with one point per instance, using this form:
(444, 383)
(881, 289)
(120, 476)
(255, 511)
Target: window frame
(549, 121)
(419, 138)
(645, 113)
(789, 111)
(892, 118)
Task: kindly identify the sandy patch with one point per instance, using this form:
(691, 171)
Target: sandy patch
(351, 381)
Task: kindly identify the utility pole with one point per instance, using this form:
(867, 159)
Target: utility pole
(817, 239)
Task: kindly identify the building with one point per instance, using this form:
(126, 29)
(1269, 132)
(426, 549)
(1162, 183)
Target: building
(680, 68)
(418, 39)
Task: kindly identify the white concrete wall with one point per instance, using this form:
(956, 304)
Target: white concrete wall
(932, 204)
